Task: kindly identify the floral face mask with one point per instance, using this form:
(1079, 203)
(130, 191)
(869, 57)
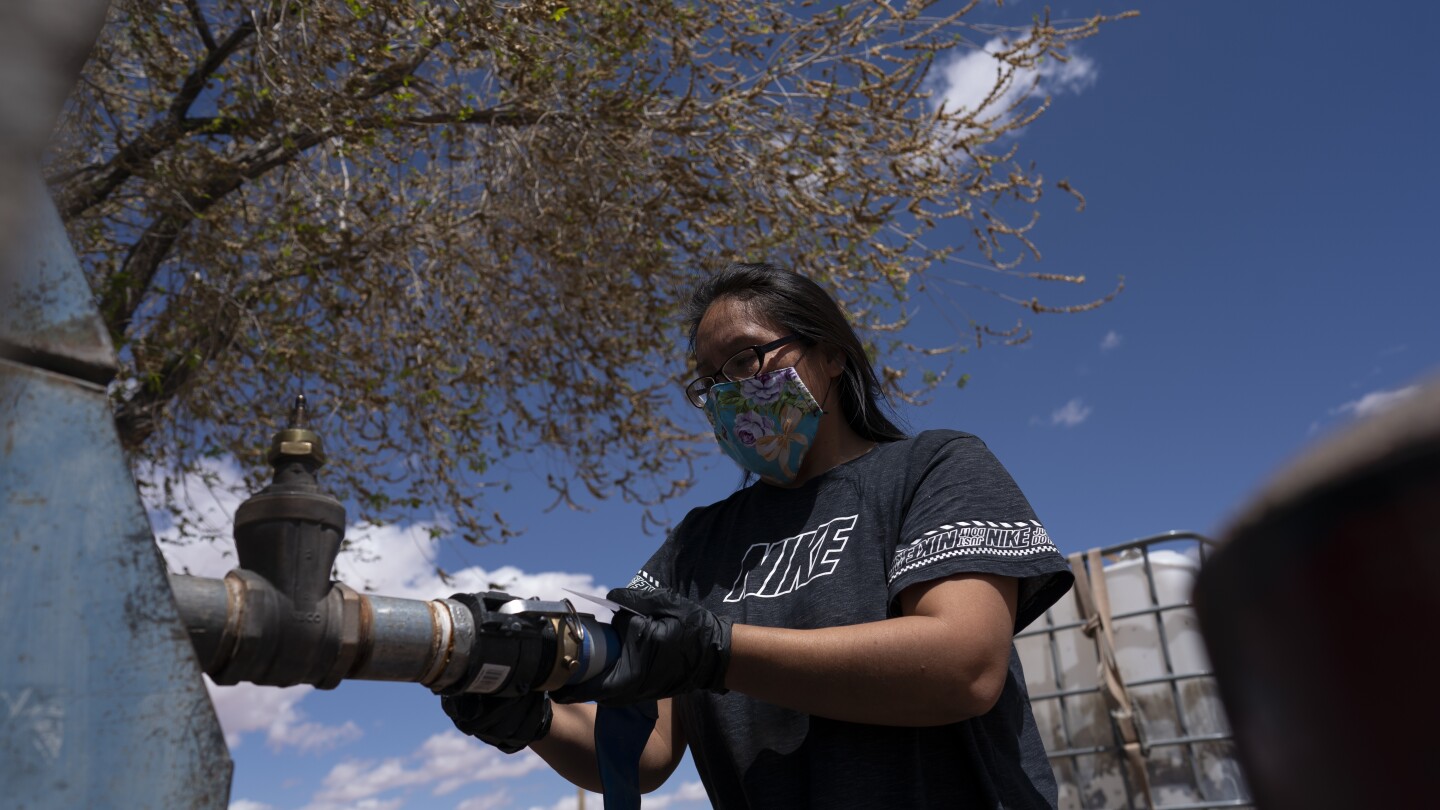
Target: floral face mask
(766, 423)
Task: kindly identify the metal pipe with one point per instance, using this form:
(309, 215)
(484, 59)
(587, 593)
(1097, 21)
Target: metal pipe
(409, 640)
(395, 640)
(204, 604)
(238, 634)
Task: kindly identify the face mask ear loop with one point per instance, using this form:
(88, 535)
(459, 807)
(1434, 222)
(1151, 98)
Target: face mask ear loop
(829, 386)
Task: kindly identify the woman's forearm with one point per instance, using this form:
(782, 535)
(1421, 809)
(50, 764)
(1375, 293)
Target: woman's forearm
(946, 662)
(569, 748)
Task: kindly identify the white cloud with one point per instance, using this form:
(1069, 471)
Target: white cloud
(374, 804)
(444, 763)
(245, 708)
(489, 801)
(1110, 341)
(399, 561)
(246, 804)
(686, 793)
(571, 802)
(394, 560)
(1071, 413)
(1375, 402)
(209, 499)
(967, 81)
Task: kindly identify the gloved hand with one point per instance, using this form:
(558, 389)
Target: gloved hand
(508, 723)
(675, 646)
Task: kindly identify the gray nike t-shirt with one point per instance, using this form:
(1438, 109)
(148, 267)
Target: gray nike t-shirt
(838, 551)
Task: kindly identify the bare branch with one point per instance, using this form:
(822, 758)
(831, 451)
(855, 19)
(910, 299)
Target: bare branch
(120, 298)
(201, 27)
(76, 200)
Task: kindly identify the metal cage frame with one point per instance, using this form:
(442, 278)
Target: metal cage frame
(1191, 741)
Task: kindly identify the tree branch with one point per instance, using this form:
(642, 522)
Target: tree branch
(224, 125)
(491, 117)
(200, 26)
(164, 133)
(137, 417)
(159, 137)
(195, 82)
(126, 288)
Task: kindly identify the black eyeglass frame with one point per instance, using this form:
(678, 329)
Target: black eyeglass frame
(699, 397)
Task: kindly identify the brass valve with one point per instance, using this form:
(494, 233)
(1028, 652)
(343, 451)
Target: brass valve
(297, 440)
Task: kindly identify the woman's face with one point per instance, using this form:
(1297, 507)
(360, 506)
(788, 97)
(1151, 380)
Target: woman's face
(731, 325)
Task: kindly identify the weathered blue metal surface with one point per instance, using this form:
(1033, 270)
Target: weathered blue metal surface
(101, 699)
(49, 319)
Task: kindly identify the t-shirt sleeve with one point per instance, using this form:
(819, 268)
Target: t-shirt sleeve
(966, 515)
(659, 570)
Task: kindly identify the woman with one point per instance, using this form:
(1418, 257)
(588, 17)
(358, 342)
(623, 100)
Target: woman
(839, 632)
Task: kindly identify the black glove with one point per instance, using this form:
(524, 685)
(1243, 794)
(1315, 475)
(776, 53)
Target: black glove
(508, 723)
(675, 646)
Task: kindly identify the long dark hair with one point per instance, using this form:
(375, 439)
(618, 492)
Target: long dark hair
(799, 305)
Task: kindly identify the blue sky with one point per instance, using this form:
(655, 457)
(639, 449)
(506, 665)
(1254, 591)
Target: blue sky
(1263, 176)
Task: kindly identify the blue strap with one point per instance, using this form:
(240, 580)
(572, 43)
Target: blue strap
(620, 736)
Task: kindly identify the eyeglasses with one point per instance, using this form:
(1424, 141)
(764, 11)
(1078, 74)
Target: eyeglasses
(745, 364)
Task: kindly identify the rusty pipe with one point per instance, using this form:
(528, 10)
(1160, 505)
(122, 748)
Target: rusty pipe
(238, 627)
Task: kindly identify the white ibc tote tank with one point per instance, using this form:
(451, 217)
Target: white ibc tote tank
(1189, 754)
